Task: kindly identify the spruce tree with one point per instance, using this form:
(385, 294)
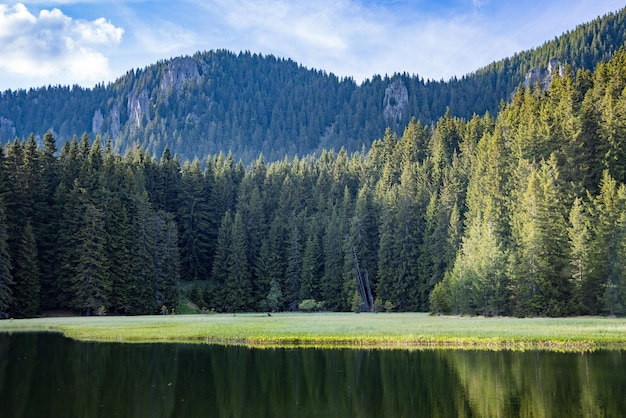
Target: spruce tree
(165, 261)
(238, 286)
(219, 273)
(46, 220)
(391, 287)
(26, 289)
(195, 216)
(361, 247)
(312, 263)
(540, 232)
(141, 298)
(331, 282)
(607, 246)
(91, 285)
(6, 280)
(293, 270)
(584, 292)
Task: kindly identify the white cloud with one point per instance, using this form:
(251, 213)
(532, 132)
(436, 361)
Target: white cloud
(53, 48)
(355, 38)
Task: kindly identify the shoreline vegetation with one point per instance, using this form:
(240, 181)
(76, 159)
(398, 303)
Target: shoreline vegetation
(343, 330)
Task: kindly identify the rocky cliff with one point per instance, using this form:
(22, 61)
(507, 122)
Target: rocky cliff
(543, 76)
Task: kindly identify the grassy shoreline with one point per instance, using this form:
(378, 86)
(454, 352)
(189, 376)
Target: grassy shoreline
(344, 330)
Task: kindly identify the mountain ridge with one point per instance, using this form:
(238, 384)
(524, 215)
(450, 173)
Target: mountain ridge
(250, 104)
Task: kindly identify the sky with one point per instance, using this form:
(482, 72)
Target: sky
(85, 42)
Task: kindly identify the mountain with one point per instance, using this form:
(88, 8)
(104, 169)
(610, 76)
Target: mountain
(249, 103)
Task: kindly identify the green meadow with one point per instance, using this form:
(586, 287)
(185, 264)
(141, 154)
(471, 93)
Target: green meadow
(384, 330)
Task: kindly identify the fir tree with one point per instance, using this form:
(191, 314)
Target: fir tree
(91, 286)
(26, 289)
(219, 273)
(6, 280)
(238, 285)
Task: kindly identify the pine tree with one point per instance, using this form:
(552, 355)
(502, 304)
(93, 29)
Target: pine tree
(391, 287)
(250, 207)
(312, 263)
(433, 247)
(71, 208)
(540, 231)
(293, 270)
(219, 273)
(361, 249)
(91, 286)
(238, 286)
(607, 249)
(195, 221)
(584, 297)
(46, 220)
(6, 280)
(141, 298)
(26, 290)
(165, 261)
(331, 282)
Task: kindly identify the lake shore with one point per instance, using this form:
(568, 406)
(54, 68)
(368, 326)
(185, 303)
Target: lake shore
(344, 330)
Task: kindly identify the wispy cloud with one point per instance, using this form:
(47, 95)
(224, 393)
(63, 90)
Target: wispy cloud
(53, 47)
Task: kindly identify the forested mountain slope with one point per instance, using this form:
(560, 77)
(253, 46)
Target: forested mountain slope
(520, 213)
(251, 104)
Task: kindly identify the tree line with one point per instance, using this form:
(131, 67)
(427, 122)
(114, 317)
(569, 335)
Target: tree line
(250, 103)
(520, 214)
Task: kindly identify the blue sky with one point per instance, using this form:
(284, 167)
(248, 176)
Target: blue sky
(85, 42)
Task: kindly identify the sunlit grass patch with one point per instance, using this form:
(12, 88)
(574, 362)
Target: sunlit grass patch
(388, 330)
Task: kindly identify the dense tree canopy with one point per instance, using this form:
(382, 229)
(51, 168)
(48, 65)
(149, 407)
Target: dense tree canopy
(522, 214)
(252, 104)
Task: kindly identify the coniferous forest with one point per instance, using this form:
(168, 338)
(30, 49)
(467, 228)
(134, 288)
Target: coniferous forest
(519, 212)
(251, 104)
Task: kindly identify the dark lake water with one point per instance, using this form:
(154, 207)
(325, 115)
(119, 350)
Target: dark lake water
(46, 375)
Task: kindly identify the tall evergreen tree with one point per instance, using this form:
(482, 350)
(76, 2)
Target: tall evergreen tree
(165, 261)
(142, 300)
(584, 292)
(312, 263)
(540, 231)
(607, 246)
(195, 221)
(361, 247)
(46, 219)
(220, 273)
(6, 280)
(26, 289)
(332, 281)
(293, 271)
(238, 285)
(91, 286)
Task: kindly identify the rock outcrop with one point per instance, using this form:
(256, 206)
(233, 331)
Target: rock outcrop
(543, 76)
(138, 107)
(96, 122)
(395, 101)
(177, 72)
(7, 128)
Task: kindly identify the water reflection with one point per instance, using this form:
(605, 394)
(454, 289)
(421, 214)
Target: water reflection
(45, 375)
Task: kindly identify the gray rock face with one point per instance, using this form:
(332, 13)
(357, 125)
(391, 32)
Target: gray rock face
(544, 76)
(114, 115)
(96, 122)
(7, 127)
(138, 107)
(395, 101)
(177, 73)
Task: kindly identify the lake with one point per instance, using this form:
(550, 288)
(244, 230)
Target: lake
(47, 375)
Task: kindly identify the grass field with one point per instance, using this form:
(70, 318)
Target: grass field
(385, 330)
